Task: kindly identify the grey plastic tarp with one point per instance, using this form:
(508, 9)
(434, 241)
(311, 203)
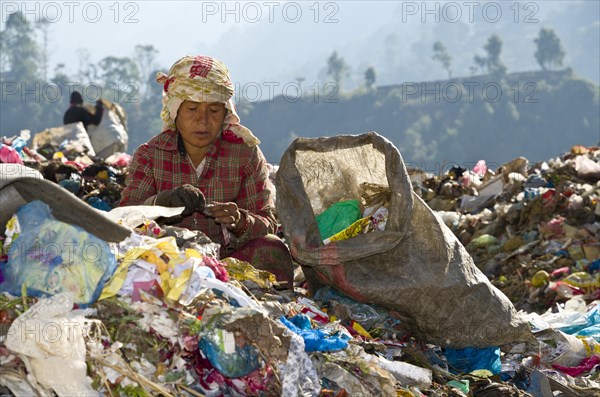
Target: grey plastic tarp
(416, 267)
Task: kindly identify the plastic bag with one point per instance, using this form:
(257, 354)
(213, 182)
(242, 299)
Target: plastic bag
(586, 167)
(234, 363)
(233, 354)
(338, 217)
(416, 266)
(8, 154)
(201, 279)
(471, 359)
(49, 338)
(567, 350)
(314, 339)
(366, 315)
(21, 141)
(119, 159)
(50, 257)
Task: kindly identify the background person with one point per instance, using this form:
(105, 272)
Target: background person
(77, 112)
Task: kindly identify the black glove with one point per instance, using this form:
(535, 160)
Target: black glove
(186, 196)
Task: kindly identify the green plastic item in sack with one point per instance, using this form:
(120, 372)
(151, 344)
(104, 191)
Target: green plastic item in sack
(338, 217)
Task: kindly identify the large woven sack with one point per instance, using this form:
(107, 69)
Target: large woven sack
(74, 134)
(416, 267)
(110, 136)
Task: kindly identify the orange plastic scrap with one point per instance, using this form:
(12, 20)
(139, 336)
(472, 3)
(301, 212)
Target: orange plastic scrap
(330, 393)
(579, 149)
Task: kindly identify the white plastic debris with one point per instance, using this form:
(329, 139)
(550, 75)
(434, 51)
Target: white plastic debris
(408, 374)
(135, 215)
(49, 339)
(450, 218)
(586, 166)
(405, 373)
(202, 279)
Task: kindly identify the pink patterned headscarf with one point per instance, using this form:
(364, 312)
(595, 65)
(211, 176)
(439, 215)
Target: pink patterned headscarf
(201, 79)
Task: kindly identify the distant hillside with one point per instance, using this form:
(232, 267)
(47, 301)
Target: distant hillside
(536, 114)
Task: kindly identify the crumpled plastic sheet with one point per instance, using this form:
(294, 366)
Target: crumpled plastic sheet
(213, 383)
(241, 270)
(567, 350)
(18, 383)
(314, 339)
(49, 339)
(586, 166)
(139, 271)
(471, 359)
(571, 319)
(135, 215)
(134, 247)
(119, 159)
(217, 267)
(200, 281)
(157, 319)
(352, 372)
(141, 258)
(51, 256)
(9, 155)
(298, 374)
(586, 365)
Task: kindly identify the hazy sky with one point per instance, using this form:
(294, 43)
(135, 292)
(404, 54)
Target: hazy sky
(276, 41)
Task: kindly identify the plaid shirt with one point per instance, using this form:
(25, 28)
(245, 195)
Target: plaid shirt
(233, 172)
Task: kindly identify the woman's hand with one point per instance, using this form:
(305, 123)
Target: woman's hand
(227, 214)
(187, 196)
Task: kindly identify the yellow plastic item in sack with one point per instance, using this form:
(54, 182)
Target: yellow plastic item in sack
(351, 231)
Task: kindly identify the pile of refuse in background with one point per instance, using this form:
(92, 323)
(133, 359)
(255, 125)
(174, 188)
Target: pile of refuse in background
(163, 315)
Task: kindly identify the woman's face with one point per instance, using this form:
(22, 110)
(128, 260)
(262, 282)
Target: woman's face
(200, 122)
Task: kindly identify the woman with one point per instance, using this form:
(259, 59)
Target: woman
(203, 150)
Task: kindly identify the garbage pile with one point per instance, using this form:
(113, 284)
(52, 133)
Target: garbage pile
(97, 181)
(159, 313)
(533, 230)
